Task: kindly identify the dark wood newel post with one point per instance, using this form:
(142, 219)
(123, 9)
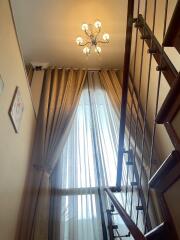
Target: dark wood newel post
(125, 89)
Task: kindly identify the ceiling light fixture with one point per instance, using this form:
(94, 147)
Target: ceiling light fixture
(92, 38)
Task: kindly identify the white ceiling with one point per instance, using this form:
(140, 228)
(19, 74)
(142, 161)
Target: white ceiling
(47, 30)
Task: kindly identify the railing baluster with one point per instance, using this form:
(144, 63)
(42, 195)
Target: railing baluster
(145, 116)
(136, 233)
(138, 125)
(131, 107)
(154, 124)
(137, 115)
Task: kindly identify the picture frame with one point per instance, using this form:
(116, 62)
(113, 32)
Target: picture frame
(16, 110)
(1, 85)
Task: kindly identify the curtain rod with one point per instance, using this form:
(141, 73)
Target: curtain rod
(91, 69)
(68, 68)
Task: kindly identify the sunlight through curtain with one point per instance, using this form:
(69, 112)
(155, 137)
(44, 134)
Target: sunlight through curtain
(88, 161)
(60, 96)
(94, 134)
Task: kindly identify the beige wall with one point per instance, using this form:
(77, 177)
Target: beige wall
(15, 149)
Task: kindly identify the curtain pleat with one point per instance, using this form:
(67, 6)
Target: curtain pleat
(41, 220)
(60, 96)
(88, 160)
(111, 83)
(55, 156)
(61, 92)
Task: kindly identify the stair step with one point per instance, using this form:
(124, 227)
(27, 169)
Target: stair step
(158, 233)
(172, 36)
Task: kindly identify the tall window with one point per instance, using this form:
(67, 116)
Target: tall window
(88, 161)
(87, 164)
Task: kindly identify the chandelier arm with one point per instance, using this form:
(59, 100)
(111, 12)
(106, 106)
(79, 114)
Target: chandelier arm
(100, 41)
(97, 33)
(97, 50)
(84, 44)
(88, 34)
(99, 30)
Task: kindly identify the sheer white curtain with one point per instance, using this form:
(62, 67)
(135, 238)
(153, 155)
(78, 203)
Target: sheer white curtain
(88, 161)
(92, 142)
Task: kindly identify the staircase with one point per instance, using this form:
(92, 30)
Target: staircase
(145, 180)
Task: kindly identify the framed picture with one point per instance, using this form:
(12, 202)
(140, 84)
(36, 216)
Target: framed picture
(1, 85)
(16, 110)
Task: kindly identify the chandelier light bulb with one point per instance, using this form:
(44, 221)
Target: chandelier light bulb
(84, 26)
(98, 50)
(86, 50)
(97, 24)
(79, 40)
(106, 37)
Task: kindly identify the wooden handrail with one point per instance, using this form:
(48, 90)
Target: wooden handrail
(134, 230)
(170, 72)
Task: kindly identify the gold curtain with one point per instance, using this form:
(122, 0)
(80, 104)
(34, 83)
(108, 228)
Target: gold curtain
(60, 95)
(111, 84)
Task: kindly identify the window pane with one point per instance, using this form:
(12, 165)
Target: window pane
(79, 217)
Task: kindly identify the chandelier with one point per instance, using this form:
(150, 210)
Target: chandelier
(92, 38)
